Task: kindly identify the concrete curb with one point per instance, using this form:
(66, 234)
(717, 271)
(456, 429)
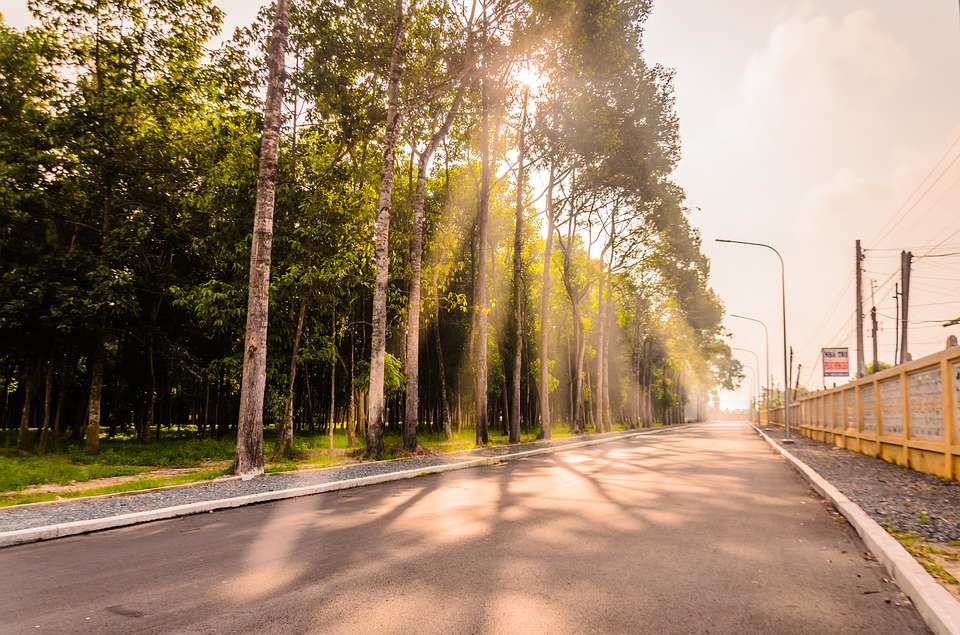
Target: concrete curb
(50, 532)
(939, 609)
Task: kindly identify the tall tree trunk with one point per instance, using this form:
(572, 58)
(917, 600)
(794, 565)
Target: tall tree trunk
(601, 335)
(311, 414)
(144, 435)
(378, 343)
(635, 377)
(588, 414)
(447, 419)
(606, 324)
(47, 403)
(480, 315)
(579, 413)
(352, 405)
(483, 231)
(607, 421)
(63, 386)
(459, 412)
(333, 381)
(166, 410)
(412, 407)
(144, 432)
(517, 281)
(283, 444)
(578, 421)
(95, 398)
(92, 436)
(545, 313)
(29, 386)
(249, 462)
(5, 408)
(205, 420)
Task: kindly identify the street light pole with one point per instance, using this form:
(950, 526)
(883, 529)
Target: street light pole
(756, 372)
(766, 343)
(783, 297)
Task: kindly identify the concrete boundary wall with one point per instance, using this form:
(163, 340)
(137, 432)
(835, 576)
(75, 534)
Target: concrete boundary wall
(908, 414)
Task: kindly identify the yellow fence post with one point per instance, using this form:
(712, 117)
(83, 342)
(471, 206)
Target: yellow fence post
(905, 408)
(947, 389)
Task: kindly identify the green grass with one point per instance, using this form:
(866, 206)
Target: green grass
(66, 462)
(926, 553)
(127, 486)
(17, 472)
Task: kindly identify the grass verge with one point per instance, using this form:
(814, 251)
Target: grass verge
(932, 556)
(126, 486)
(67, 464)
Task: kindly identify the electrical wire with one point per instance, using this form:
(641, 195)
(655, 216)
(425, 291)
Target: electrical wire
(833, 309)
(955, 253)
(903, 210)
(895, 251)
(920, 217)
(934, 278)
(955, 233)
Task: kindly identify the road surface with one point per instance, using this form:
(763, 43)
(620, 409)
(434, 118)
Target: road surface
(698, 530)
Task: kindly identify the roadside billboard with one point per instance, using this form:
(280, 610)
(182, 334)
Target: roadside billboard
(836, 362)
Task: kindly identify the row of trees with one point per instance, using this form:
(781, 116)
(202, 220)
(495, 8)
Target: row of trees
(472, 223)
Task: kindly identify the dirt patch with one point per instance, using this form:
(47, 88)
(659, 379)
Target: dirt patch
(947, 558)
(338, 453)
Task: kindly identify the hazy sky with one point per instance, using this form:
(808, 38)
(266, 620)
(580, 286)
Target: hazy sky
(807, 124)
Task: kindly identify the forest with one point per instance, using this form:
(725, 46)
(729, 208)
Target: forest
(421, 216)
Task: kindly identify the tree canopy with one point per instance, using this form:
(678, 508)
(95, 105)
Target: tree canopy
(474, 223)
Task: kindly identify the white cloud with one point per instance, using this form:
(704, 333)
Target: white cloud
(820, 93)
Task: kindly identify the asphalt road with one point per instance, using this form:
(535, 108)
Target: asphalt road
(699, 530)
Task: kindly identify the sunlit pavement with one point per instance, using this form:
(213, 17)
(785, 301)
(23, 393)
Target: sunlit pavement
(702, 529)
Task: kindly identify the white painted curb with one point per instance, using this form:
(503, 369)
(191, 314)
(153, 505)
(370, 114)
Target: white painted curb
(938, 608)
(36, 534)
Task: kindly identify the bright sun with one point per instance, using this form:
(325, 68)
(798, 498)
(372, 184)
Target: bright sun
(529, 77)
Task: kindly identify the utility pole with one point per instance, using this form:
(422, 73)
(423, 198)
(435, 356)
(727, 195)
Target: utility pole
(787, 390)
(860, 363)
(906, 259)
(873, 319)
(896, 328)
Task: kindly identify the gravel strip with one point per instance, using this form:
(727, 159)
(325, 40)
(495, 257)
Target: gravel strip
(894, 496)
(45, 514)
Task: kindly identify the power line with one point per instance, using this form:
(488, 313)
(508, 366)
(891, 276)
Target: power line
(895, 251)
(941, 242)
(833, 309)
(933, 205)
(955, 253)
(902, 211)
(932, 288)
(936, 278)
(939, 264)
